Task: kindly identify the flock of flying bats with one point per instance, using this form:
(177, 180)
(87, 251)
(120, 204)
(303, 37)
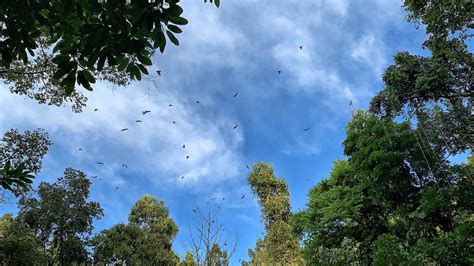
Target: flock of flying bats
(158, 72)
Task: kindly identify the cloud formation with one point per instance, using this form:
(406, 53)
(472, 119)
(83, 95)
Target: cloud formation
(153, 146)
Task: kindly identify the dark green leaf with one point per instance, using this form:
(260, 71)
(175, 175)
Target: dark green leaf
(122, 65)
(144, 60)
(143, 69)
(172, 38)
(136, 72)
(178, 20)
(162, 42)
(68, 83)
(88, 76)
(174, 11)
(101, 62)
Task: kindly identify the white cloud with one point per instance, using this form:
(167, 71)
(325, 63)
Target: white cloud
(152, 148)
(246, 38)
(370, 51)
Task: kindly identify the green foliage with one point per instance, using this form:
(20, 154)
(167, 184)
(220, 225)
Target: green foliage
(20, 156)
(388, 250)
(272, 194)
(64, 43)
(145, 240)
(61, 217)
(19, 176)
(389, 202)
(18, 245)
(217, 257)
(347, 254)
(188, 260)
(117, 244)
(335, 212)
(442, 18)
(216, 2)
(433, 204)
(436, 89)
(279, 245)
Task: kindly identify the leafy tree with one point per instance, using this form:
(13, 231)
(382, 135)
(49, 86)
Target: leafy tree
(218, 257)
(188, 260)
(145, 240)
(61, 218)
(279, 245)
(21, 155)
(18, 245)
(117, 245)
(397, 198)
(61, 43)
(436, 89)
(152, 217)
(387, 204)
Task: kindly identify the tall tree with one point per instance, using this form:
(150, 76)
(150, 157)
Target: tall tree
(20, 156)
(61, 218)
(279, 244)
(145, 240)
(18, 245)
(117, 245)
(437, 90)
(61, 43)
(388, 203)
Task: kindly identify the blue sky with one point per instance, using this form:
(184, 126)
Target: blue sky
(238, 47)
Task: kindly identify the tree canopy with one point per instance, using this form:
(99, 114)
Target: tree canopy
(47, 47)
(18, 245)
(145, 240)
(437, 90)
(279, 244)
(384, 205)
(398, 198)
(20, 157)
(60, 217)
